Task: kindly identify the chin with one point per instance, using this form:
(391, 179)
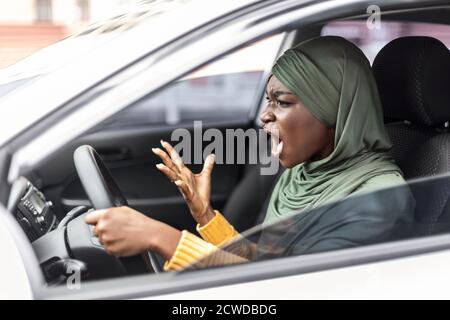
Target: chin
(285, 163)
(289, 162)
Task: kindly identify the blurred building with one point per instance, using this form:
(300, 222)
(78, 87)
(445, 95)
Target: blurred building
(29, 25)
(372, 40)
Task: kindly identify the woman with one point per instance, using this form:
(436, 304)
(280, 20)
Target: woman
(324, 114)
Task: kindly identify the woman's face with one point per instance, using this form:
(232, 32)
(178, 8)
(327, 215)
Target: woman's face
(297, 136)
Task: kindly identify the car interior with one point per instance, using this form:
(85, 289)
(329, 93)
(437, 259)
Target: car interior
(412, 73)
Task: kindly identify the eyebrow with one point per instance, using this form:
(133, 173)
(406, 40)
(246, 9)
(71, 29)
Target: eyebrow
(278, 93)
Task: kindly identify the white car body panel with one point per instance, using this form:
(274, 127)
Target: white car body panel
(14, 280)
(418, 277)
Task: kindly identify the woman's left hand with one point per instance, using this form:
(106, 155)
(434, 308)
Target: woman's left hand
(126, 232)
(195, 188)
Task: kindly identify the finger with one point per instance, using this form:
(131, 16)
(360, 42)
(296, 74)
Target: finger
(209, 164)
(95, 231)
(113, 250)
(184, 188)
(99, 229)
(169, 173)
(165, 158)
(104, 239)
(94, 216)
(100, 239)
(176, 159)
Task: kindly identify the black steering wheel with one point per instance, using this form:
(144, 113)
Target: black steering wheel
(103, 192)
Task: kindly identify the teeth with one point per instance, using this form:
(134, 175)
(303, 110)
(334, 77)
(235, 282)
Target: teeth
(277, 147)
(279, 150)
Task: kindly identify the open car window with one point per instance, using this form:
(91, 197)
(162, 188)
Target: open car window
(416, 209)
(225, 90)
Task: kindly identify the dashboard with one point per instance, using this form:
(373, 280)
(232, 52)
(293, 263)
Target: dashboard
(31, 209)
(60, 246)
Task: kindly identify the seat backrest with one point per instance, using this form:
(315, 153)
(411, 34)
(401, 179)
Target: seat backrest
(413, 78)
(247, 205)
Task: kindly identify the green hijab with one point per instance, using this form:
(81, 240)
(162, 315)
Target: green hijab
(333, 79)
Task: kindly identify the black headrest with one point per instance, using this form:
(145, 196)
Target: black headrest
(413, 78)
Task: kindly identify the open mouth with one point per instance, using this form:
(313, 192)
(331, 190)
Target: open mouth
(277, 146)
(277, 143)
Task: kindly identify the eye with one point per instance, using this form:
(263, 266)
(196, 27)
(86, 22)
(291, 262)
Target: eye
(283, 104)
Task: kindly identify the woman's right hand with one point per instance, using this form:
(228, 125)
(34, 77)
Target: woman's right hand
(195, 188)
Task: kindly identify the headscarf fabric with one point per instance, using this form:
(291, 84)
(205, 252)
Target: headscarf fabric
(333, 79)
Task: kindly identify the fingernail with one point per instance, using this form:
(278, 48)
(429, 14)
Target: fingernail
(162, 142)
(159, 165)
(154, 150)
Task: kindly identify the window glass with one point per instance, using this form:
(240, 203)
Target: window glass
(371, 41)
(225, 90)
(415, 209)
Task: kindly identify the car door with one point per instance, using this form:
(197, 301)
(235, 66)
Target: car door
(395, 266)
(292, 269)
(223, 96)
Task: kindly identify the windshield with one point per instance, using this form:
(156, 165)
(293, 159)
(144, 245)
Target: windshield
(416, 209)
(80, 44)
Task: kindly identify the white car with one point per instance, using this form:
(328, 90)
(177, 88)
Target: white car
(126, 83)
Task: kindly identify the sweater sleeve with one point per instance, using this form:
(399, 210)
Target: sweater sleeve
(191, 249)
(218, 230)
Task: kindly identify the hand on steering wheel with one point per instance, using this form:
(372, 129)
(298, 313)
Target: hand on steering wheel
(125, 232)
(122, 231)
(103, 192)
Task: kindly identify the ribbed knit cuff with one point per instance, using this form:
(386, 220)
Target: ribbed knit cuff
(189, 250)
(218, 230)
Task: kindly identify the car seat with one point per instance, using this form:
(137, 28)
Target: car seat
(413, 78)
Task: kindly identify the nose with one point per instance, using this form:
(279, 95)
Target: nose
(267, 115)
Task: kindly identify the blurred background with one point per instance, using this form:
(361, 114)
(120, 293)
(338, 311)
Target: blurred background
(370, 41)
(29, 25)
